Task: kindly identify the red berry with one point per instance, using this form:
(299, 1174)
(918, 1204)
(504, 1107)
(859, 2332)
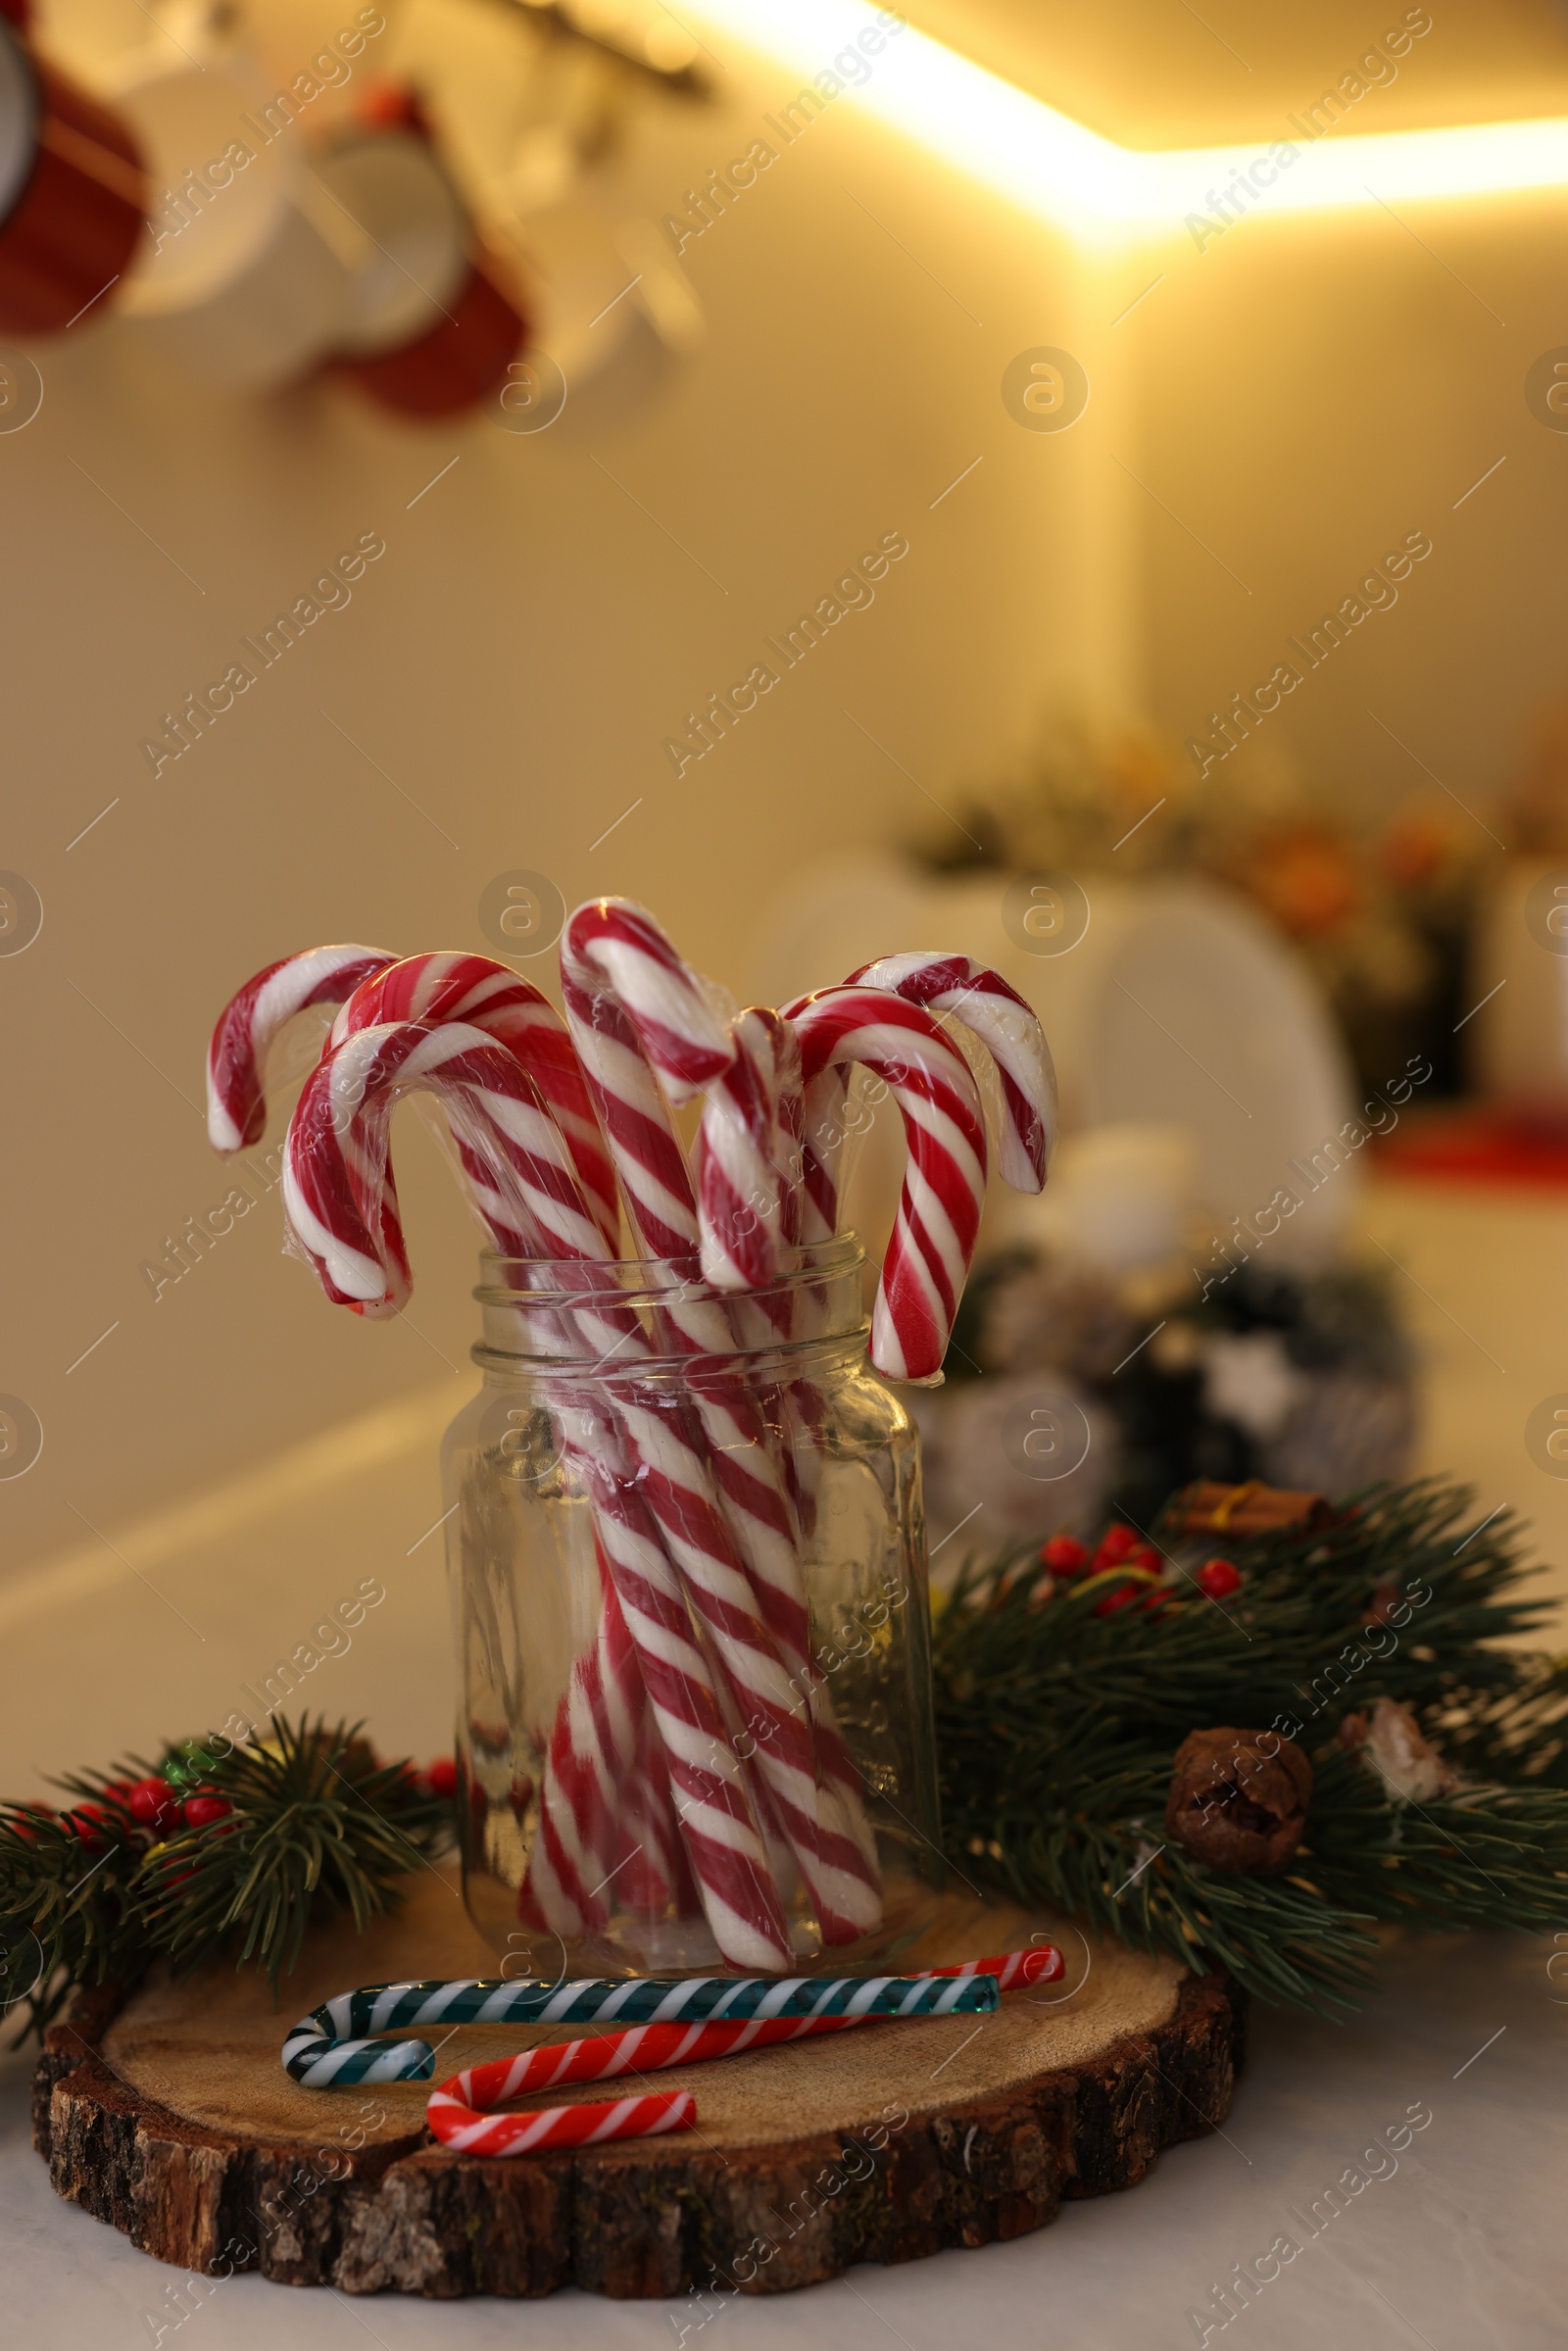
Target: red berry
(1064, 1555)
(205, 1807)
(86, 1822)
(1124, 1594)
(1116, 1543)
(119, 1790)
(442, 1777)
(1218, 1577)
(1144, 1557)
(154, 1804)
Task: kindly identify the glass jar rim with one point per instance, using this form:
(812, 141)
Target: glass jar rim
(556, 1281)
(538, 1310)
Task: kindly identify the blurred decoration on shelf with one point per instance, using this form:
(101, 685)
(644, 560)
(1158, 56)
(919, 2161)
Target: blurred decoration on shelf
(424, 208)
(1182, 1300)
(1169, 1004)
(1075, 1389)
(1376, 903)
(1519, 970)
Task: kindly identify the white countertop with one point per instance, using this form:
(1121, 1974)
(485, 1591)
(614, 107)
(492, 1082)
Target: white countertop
(1461, 2248)
(1459, 2245)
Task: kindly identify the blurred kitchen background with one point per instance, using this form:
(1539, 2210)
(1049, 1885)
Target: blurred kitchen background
(1210, 685)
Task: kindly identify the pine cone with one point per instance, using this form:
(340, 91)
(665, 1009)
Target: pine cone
(1238, 1799)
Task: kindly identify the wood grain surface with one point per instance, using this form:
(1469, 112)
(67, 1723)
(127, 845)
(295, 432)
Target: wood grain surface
(168, 2114)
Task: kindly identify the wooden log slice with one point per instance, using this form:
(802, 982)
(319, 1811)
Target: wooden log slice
(170, 2116)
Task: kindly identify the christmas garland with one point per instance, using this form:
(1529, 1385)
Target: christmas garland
(1259, 1752)
(215, 1849)
(1250, 1734)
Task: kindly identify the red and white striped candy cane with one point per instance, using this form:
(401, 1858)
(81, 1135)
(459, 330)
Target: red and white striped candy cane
(1008, 1028)
(638, 1019)
(435, 989)
(338, 1193)
(634, 2049)
(706, 1780)
(342, 1205)
(640, 1022)
(249, 1025)
(938, 1220)
(656, 2047)
(455, 2123)
(775, 1715)
(614, 944)
(1042, 1964)
(581, 1837)
(744, 1154)
(344, 1217)
(428, 989)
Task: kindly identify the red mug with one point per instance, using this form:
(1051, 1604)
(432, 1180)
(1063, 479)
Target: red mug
(76, 203)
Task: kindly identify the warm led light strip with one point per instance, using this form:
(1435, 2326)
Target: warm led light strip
(1077, 180)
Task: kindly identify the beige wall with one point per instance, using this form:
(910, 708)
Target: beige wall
(1298, 397)
(513, 664)
(1311, 392)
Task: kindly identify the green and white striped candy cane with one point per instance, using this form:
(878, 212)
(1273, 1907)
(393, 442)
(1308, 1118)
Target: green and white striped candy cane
(331, 2045)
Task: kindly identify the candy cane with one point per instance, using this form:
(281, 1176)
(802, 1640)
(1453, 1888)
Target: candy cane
(939, 1209)
(345, 1220)
(1008, 1028)
(587, 2125)
(744, 1149)
(425, 989)
(437, 989)
(748, 1168)
(639, 2049)
(341, 1209)
(638, 1018)
(1042, 1964)
(581, 1844)
(614, 944)
(249, 1023)
(656, 2048)
(453, 989)
(330, 2046)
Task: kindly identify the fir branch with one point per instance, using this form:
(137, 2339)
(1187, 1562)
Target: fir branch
(1517, 1735)
(1481, 1857)
(1058, 1726)
(68, 1913)
(319, 1827)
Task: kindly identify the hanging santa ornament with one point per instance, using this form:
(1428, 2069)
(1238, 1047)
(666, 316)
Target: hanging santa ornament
(73, 193)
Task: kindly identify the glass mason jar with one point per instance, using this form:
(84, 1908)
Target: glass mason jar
(689, 1581)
